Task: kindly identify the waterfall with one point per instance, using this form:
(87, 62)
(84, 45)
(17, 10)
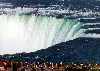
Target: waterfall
(29, 33)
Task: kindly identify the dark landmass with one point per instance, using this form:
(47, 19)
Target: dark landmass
(81, 50)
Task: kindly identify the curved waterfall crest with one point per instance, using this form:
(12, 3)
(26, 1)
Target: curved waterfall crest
(29, 33)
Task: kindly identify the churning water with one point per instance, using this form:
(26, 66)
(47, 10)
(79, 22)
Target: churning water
(29, 33)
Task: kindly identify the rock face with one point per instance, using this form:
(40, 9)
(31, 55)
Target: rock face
(81, 50)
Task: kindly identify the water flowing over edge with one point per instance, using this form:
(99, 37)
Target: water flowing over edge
(29, 33)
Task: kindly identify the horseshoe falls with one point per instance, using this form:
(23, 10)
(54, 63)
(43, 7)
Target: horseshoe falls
(29, 33)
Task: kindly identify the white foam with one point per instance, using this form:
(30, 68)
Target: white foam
(32, 33)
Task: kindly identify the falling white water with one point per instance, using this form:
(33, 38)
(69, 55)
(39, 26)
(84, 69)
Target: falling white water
(27, 33)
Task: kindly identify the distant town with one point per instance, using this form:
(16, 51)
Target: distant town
(25, 66)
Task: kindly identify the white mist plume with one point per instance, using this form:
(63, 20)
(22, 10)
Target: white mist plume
(31, 33)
